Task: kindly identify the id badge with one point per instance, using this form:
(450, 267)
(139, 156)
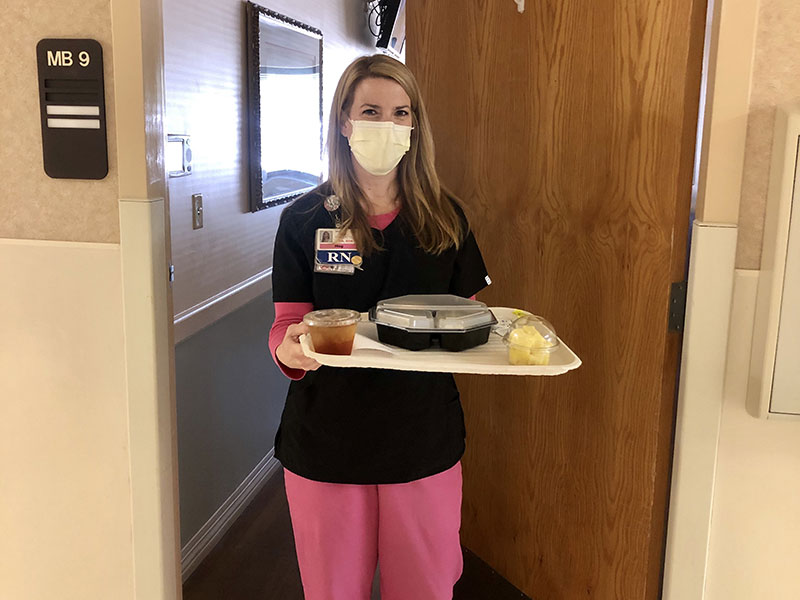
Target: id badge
(335, 251)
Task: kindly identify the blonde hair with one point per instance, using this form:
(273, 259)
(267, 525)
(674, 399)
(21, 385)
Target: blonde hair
(430, 210)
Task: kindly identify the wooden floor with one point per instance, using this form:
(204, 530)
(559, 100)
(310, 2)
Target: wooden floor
(255, 560)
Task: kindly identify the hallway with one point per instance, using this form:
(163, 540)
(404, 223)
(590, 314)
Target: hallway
(256, 560)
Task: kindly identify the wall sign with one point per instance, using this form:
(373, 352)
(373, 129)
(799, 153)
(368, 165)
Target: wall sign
(73, 108)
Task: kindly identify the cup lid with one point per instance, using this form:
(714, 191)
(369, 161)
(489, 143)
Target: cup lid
(332, 317)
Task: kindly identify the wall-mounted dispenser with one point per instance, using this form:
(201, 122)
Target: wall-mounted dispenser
(178, 155)
(774, 387)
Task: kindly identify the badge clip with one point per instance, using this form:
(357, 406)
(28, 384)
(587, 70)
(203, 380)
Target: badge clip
(332, 205)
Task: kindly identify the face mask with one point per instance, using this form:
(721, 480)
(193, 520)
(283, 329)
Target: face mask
(379, 145)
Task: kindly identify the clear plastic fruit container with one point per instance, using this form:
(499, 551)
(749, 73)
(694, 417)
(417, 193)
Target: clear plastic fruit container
(531, 340)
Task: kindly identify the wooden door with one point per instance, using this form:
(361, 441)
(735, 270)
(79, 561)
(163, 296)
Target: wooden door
(570, 130)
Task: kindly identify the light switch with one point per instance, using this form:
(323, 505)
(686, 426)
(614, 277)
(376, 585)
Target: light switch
(197, 211)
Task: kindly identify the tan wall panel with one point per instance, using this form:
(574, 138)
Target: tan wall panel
(33, 205)
(65, 514)
(775, 80)
(206, 99)
(730, 45)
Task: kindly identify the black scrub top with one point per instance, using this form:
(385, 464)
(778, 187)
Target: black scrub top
(369, 426)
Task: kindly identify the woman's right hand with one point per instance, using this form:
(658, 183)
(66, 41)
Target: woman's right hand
(291, 354)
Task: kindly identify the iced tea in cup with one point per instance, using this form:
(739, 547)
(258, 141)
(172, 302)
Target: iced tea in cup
(332, 330)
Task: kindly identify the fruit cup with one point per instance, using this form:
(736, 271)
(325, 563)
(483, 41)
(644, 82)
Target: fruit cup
(530, 340)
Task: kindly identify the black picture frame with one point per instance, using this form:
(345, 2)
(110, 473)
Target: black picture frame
(273, 188)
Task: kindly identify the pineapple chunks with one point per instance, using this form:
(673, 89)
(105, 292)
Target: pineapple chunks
(528, 347)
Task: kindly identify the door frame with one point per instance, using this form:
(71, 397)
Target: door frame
(730, 44)
(146, 250)
(138, 68)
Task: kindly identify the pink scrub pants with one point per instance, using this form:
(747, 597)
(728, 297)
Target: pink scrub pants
(342, 530)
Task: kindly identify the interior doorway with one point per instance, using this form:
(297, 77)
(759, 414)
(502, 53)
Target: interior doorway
(575, 129)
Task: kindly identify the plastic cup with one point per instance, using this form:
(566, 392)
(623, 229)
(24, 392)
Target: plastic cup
(332, 330)
(531, 341)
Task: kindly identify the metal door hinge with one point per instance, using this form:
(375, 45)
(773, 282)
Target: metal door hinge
(171, 273)
(677, 306)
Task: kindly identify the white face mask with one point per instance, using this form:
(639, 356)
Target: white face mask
(379, 145)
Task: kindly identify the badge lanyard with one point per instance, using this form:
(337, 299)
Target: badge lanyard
(335, 251)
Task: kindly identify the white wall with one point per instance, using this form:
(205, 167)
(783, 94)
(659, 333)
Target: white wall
(65, 514)
(755, 535)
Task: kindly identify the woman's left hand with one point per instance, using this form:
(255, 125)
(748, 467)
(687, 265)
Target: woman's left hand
(290, 353)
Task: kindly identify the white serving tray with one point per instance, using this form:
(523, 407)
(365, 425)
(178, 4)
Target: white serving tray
(490, 358)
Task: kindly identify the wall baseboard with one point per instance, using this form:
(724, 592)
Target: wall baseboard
(197, 548)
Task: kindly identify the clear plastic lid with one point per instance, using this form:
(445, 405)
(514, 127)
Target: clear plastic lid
(407, 319)
(431, 302)
(432, 313)
(463, 319)
(332, 317)
(532, 333)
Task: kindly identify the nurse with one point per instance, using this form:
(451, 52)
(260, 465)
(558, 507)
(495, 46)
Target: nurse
(371, 457)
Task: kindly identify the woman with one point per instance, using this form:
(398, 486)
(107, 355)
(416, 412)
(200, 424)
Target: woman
(372, 457)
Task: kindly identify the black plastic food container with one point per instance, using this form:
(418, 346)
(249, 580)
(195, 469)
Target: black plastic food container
(419, 321)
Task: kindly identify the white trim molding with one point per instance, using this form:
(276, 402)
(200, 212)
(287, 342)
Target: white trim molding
(151, 403)
(202, 542)
(708, 308)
